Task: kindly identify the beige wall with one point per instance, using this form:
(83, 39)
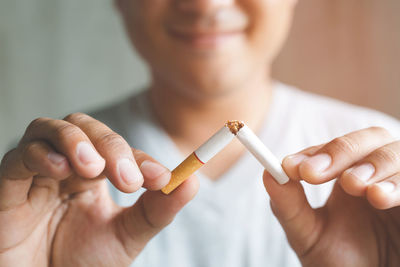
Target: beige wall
(348, 49)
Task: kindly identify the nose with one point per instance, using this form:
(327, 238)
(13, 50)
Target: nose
(201, 6)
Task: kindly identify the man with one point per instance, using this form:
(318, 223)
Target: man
(209, 62)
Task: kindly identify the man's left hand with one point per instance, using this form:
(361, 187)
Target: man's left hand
(360, 223)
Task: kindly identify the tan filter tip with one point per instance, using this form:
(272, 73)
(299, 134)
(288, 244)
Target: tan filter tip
(182, 172)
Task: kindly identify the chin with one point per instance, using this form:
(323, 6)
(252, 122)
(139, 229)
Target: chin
(205, 75)
(207, 86)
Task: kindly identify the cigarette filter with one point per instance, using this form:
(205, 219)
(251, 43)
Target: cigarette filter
(247, 137)
(198, 158)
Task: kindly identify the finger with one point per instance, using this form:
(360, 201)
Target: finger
(40, 158)
(377, 166)
(151, 213)
(121, 167)
(291, 163)
(156, 176)
(385, 194)
(69, 140)
(18, 168)
(51, 168)
(15, 180)
(341, 153)
(289, 204)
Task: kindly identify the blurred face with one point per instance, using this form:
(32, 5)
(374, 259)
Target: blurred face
(206, 47)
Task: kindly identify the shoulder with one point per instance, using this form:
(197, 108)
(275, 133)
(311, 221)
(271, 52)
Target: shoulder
(333, 116)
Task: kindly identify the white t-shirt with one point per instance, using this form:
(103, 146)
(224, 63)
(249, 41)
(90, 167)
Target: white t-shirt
(230, 223)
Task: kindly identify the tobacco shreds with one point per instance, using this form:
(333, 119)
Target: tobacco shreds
(234, 126)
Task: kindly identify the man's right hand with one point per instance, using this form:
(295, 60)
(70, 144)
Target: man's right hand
(55, 209)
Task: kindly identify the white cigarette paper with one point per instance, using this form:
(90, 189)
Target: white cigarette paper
(248, 138)
(198, 158)
(214, 145)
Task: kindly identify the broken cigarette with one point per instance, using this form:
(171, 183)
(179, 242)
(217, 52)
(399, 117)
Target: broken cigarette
(248, 138)
(216, 143)
(198, 158)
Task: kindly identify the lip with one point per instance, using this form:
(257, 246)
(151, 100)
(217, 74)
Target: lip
(214, 29)
(200, 39)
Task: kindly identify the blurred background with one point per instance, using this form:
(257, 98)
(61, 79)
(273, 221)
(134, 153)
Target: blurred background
(58, 57)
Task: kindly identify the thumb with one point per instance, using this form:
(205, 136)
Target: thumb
(152, 212)
(301, 223)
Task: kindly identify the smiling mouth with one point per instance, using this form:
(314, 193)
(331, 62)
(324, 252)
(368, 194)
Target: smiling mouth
(210, 31)
(205, 39)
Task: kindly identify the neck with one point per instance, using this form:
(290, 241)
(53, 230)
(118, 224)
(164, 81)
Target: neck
(190, 120)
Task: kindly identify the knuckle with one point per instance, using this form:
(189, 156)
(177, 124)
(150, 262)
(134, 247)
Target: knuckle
(67, 131)
(8, 155)
(111, 139)
(387, 154)
(30, 149)
(344, 144)
(138, 153)
(75, 117)
(5, 160)
(380, 131)
(37, 122)
(311, 150)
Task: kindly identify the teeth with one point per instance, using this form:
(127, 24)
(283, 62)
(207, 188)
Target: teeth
(225, 20)
(220, 20)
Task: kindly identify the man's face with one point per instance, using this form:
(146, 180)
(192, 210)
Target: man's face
(206, 47)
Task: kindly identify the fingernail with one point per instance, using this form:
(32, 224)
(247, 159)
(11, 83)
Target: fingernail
(320, 162)
(128, 171)
(152, 170)
(87, 154)
(363, 172)
(56, 158)
(295, 159)
(386, 187)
